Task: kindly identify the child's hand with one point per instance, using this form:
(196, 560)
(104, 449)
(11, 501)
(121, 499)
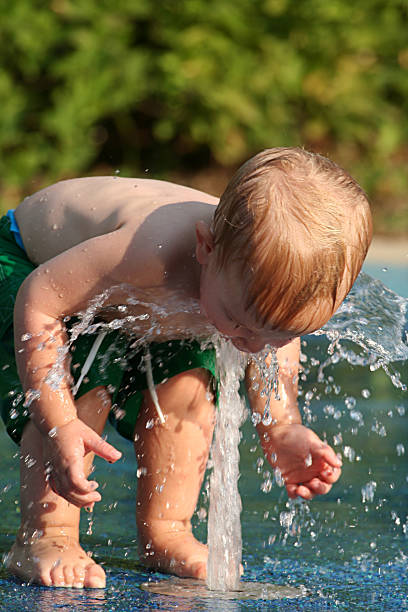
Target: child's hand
(308, 466)
(64, 455)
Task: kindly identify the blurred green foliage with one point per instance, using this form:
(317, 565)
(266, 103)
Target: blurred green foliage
(177, 86)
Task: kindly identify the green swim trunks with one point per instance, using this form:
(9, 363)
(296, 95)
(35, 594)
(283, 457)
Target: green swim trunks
(117, 366)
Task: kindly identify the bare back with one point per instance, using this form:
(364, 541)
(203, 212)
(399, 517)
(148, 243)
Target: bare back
(91, 234)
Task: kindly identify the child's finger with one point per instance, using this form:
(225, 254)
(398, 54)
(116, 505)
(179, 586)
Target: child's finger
(82, 501)
(291, 491)
(304, 492)
(102, 448)
(63, 487)
(328, 454)
(329, 474)
(317, 487)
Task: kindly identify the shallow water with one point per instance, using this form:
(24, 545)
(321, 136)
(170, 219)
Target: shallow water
(349, 548)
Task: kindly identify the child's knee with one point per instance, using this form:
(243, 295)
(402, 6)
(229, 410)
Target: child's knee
(193, 388)
(188, 395)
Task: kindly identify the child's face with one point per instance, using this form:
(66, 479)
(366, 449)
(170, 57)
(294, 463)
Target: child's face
(222, 300)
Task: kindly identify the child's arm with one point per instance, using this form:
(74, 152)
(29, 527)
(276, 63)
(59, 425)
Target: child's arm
(66, 439)
(308, 466)
(63, 286)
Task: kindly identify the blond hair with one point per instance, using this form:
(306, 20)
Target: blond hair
(299, 227)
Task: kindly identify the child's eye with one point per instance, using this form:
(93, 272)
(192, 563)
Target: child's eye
(235, 325)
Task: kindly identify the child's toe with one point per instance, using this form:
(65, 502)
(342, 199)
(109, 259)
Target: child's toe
(68, 576)
(199, 570)
(94, 577)
(57, 576)
(79, 577)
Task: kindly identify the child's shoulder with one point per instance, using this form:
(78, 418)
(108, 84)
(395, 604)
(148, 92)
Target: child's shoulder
(100, 193)
(70, 212)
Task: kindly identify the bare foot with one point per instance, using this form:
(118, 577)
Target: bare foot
(171, 548)
(57, 561)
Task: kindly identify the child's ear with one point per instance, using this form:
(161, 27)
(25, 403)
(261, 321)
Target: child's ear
(204, 242)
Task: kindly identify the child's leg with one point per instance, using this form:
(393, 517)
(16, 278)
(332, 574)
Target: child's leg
(47, 549)
(172, 459)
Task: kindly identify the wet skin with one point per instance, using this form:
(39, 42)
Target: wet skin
(50, 506)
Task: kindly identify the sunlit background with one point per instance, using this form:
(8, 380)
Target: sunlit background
(189, 89)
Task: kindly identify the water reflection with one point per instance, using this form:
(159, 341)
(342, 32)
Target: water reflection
(49, 600)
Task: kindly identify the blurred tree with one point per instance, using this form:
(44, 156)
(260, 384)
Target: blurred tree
(179, 85)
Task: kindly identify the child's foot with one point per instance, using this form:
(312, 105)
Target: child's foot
(174, 552)
(57, 561)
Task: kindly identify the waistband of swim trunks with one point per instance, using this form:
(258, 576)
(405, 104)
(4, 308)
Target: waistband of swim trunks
(14, 228)
(14, 268)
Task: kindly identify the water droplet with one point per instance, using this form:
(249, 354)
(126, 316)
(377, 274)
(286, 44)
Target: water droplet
(256, 418)
(368, 491)
(400, 450)
(150, 424)
(365, 393)
(90, 524)
(279, 478)
(349, 453)
(202, 514)
(350, 402)
(54, 226)
(267, 419)
(259, 464)
(26, 337)
(30, 396)
(357, 416)
(308, 460)
(53, 432)
(29, 461)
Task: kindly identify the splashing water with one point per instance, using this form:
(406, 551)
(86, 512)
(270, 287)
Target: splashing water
(368, 330)
(224, 525)
(372, 318)
(375, 319)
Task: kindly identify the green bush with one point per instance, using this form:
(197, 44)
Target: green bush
(178, 85)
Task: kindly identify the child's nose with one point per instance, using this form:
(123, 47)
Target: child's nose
(253, 346)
